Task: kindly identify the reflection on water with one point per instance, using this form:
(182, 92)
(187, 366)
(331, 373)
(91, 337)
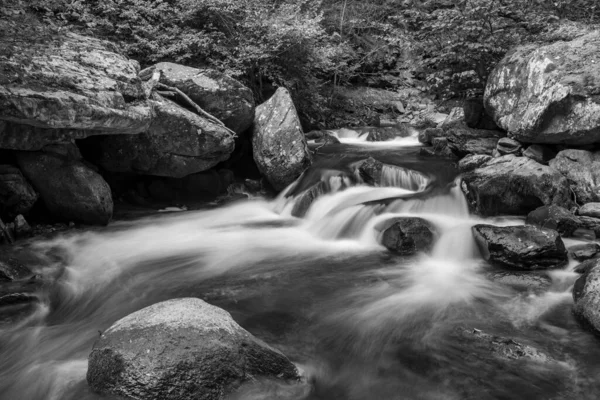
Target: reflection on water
(362, 324)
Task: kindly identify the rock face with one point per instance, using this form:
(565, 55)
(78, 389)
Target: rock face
(522, 247)
(279, 145)
(218, 94)
(464, 140)
(548, 94)
(514, 185)
(556, 218)
(582, 168)
(407, 236)
(70, 190)
(590, 210)
(472, 161)
(177, 144)
(180, 349)
(16, 194)
(586, 293)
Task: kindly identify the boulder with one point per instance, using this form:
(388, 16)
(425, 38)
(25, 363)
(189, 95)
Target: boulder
(222, 96)
(407, 235)
(464, 140)
(590, 210)
(540, 153)
(70, 190)
(456, 117)
(554, 217)
(178, 143)
(582, 252)
(590, 223)
(180, 349)
(522, 247)
(508, 146)
(582, 168)
(79, 84)
(476, 116)
(427, 135)
(586, 294)
(278, 143)
(514, 185)
(587, 265)
(443, 152)
(548, 94)
(472, 161)
(16, 194)
(388, 133)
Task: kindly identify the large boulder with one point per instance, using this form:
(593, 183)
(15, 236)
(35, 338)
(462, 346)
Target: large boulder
(278, 143)
(548, 94)
(590, 210)
(180, 349)
(16, 194)
(582, 168)
(464, 140)
(514, 185)
(556, 218)
(586, 293)
(76, 83)
(178, 143)
(218, 94)
(407, 235)
(522, 247)
(70, 189)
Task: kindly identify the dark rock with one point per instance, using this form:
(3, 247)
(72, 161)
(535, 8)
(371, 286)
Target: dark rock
(279, 145)
(506, 348)
(388, 133)
(476, 116)
(441, 153)
(464, 140)
(514, 185)
(427, 135)
(16, 194)
(222, 96)
(540, 153)
(547, 94)
(180, 349)
(587, 265)
(585, 251)
(586, 293)
(582, 168)
(590, 210)
(520, 280)
(522, 247)
(554, 217)
(407, 235)
(472, 161)
(69, 188)
(22, 228)
(508, 146)
(13, 270)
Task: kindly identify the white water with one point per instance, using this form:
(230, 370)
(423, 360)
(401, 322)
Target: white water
(359, 137)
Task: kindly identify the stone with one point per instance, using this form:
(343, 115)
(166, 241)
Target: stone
(464, 140)
(590, 210)
(540, 153)
(218, 94)
(508, 146)
(180, 349)
(16, 194)
(587, 265)
(407, 235)
(476, 116)
(427, 135)
(556, 218)
(582, 252)
(13, 270)
(582, 168)
(279, 145)
(70, 190)
(328, 138)
(22, 228)
(374, 172)
(548, 94)
(584, 234)
(472, 161)
(456, 117)
(178, 143)
(514, 185)
(522, 247)
(586, 294)
(388, 133)
(521, 280)
(438, 153)
(590, 223)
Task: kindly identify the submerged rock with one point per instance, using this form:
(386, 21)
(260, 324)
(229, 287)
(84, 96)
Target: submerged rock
(472, 161)
(407, 235)
(16, 194)
(514, 185)
(582, 168)
(554, 217)
(180, 349)
(522, 247)
(547, 94)
(278, 143)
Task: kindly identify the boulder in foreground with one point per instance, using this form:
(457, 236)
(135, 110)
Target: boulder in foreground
(407, 235)
(180, 349)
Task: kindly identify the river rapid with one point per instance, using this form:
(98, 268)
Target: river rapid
(360, 322)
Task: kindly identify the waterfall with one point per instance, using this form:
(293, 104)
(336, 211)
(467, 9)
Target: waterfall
(403, 178)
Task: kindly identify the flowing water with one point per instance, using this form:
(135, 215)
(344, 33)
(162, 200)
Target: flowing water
(360, 322)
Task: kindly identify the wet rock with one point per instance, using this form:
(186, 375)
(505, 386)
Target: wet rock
(180, 349)
(590, 210)
(388, 133)
(374, 172)
(328, 138)
(506, 348)
(444, 152)
(464, 140)
(13, 270)
(522, 247)
(427, 135)
(16, 194)
(585, 251)
(476, 116)
(547, 94)
(554, 217)
(69, 188)
(586, 293)
(178, 143)
(584, 234)
(407, 236)
(540, 153)
(508, 146)
(582, 168)
(278, 143)
(456, 117)
(522, 281)
(514, 185)
(590, 224)
(587, 265)
(222, 96)
(472, 161)
(22, 228)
